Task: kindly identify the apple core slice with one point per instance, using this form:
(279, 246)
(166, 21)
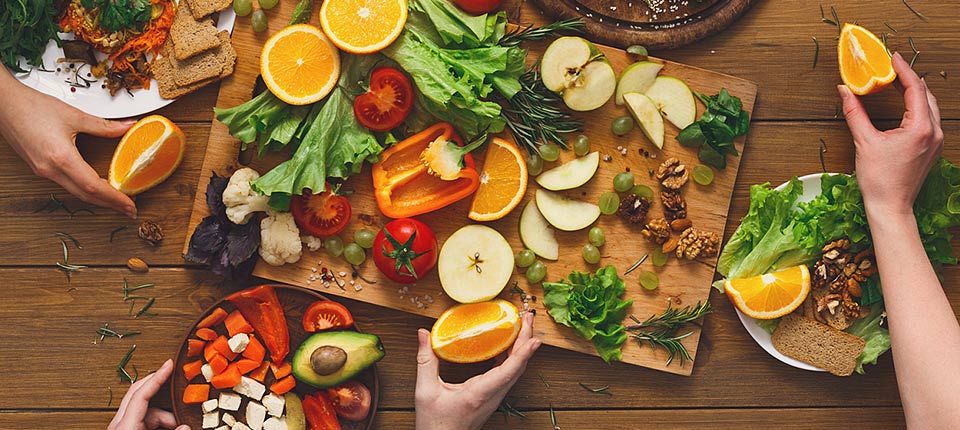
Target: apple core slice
(571, 174)
(674, 100)
(536, 234)
(475, 264)
(562, 61)
(647, 115)
(637, 78)
(593, 88)
(566, 214)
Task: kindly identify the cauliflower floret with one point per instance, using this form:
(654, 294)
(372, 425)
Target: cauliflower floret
(279, 239)
(313, 243)
(241, 200)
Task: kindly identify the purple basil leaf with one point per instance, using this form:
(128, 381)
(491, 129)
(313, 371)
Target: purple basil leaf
(207, 240)
(215, 195)
(243, 241)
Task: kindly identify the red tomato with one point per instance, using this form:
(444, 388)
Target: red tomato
(321, 215)
(405, 250)
(387, 103)
(478, 6)
(325, 315)
(351, 400)
(320, 413)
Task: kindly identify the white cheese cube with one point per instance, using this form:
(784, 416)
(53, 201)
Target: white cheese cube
(230, 402)
(238, 343)
(274, 423)
(223, 428)
(209, 406)
(239, 426)
(229, 420)
(207, 371)
(274, 404)
(211, 420)
(255, 415)
(251, 388)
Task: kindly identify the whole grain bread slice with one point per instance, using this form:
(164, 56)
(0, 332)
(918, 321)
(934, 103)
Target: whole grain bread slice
(191, 36)
(228, 55)
(217, 62)
(818, 344)
(203, 8)
(165, 75)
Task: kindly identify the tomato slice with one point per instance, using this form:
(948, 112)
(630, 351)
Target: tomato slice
(325, 315)
(351, 400)
(320, 413)
(321, 215)
(387, 103)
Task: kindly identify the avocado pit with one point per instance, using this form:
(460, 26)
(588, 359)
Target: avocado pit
(327, 359)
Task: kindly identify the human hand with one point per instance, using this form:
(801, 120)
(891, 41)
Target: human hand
(467, 406)
(43, 131)
(135, 413)
(892, 164)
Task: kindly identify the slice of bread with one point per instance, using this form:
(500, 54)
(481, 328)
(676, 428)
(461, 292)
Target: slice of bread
(166, 80)
(217, 62)
(190, 36)
(203, 8)
(818, 344)
(228, 55)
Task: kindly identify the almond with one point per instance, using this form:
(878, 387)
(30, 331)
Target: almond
(680, 224)
(137, 265)
(670, 245)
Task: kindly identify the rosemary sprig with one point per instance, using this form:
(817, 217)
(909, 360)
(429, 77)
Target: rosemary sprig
(509, 411)
(660, 331)
(667, 340)
(110, 401)
(916, 52)
(636, 265)
(68, 237)
(890, 27)
(115, 231)
(55, 204)
(816, 52)
(553, 419)
(65, 266)
(834, 22)
(915, 12)
(599, 390)
(146, 307)
(122, 367)
(105, 332)
(535, 115)
(672, 317)
(520, 35)
(544, 380)
(823, 150)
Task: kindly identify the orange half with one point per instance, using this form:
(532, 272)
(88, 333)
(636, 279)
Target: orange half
(771, 295)
(503, 182)
(865, 64)
(147, 155)
(475, 332)
(363, 26)
(299, 64)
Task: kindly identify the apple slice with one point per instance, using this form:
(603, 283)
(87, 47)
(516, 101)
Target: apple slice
(571, 174)
(647, 115)
(576, 69)
(637, 78)
(536, 234)
(566, 214)
(674, 100)
(475, 264)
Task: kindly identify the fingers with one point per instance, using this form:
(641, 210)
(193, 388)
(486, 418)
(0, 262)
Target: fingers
(856, 115)
(932, 101)
(428, 365)
(126, 399)
(500, 379)
(159, 419)
(136, 410)
(914, 93)
(526, 331)
(82, 181)
(96, 126)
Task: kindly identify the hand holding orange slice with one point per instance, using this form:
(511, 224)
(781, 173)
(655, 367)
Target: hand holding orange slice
(865, 64)
(475, 332)
(299, 64)
(147, 155)
(770, 295)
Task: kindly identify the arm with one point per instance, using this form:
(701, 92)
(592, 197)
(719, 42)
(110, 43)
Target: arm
(43, 131)
(891, 167)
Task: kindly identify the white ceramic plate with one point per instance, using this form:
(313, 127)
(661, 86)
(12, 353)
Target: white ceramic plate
(96, 100)
(811, 189)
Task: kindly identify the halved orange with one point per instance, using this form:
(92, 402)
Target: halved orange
(475, 332)
(363, 26)
(770, 295)
(299, 64)
(147, 155)
(865, 64)
(503, 182)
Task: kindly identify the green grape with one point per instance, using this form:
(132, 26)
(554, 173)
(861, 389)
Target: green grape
(258, 20)
(536, 272)
(596, 236)
(658, 257)
(623, 182)
(643, 191)
(364, 238)
(268, 4)
(581, 145)
(549, 152)
(702, 175)
(591, 254)
(622, 125)
(649, 280)
(609, 203)
(333, 245)
(354, 254)
(534, 164)
(242, 7)
(525, 258)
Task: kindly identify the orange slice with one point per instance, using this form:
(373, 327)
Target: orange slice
(363, 26)
(771, 295)
(299, 64)
(147, 155)
(475, 332)
(503, 182)
(865, 64)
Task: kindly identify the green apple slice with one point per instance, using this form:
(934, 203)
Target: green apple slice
(475, 264)
(674, 100)
(562, 61)
(647, 115)
(566, 214)
(637, 78)
(571, 174)
(576, 69)
(595, 86)
(536, 234)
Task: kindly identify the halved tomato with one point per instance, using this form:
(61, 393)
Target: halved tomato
(325, 315)
(321, 215)
(351, 400)
(387, 103)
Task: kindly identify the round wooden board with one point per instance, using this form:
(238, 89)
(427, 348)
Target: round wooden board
(295, 301)
(672, 23)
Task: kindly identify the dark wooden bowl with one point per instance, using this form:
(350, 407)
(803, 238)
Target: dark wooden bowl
(295, 301)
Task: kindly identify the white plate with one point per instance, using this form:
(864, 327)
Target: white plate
(95, 100)
(811, 189)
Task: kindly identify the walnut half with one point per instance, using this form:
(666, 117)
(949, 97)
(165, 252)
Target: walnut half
(673, 174)
(657, 230)
(697, 243)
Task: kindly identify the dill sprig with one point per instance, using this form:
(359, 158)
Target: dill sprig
(599, 390)
(524, 34)
(660, 331)
(122, 367)
(535, 115)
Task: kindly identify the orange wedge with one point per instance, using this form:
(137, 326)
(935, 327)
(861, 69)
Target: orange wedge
(147, 155)
(299, 64)
(363, 26)
(503, 182)
(865, 64)
(475, 332)
(771, 295)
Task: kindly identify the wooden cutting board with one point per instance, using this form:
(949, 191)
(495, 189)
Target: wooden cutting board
(682, 283)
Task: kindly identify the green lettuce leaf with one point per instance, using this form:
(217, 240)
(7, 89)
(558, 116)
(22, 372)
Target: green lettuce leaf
(877, 338)
(449, 26)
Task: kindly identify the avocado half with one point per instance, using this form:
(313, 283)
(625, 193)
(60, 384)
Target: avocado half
(362, 351)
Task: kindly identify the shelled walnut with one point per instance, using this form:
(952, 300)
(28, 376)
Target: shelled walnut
(674, 205)
(150, 232)
(673, 174)
(657, 230)
(695, 243)
(634, 208)
(836, 284)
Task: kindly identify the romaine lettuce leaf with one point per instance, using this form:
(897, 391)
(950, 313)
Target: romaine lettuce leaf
(876, 337)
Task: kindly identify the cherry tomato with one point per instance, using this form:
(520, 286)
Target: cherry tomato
(321, 215)
(477, 7)
(351, 400)
(387, 103)
(325, 315)
(320, 413)
(405, 250)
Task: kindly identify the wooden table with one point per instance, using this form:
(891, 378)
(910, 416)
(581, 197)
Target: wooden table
(57, 378)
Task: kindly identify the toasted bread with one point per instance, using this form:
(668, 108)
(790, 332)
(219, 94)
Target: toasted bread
(217, 62)
(818, 344)
(191, 36)
(203, 8)
(166, 80)
(228, 55)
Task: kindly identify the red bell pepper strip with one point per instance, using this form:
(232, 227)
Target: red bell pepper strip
(261, 308)
(320, 413)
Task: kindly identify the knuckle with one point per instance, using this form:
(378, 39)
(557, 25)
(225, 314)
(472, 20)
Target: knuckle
(43, 170)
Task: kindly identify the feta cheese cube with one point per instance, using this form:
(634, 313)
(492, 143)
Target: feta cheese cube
(239, 426)
(211, 420)
(238, 343)
(255, 415)
(223, 428)
(274, 423)
(209, 406)
(229, 420)
(230, 402)
(251, 388)
(207, 371)
(274, 404)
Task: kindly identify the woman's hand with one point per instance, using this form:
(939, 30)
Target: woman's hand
(892, 164)
(43, 131)
(467, 406)
(135, 412)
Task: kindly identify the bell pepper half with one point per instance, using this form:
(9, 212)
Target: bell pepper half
(425, 172)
